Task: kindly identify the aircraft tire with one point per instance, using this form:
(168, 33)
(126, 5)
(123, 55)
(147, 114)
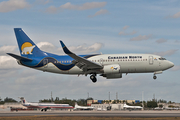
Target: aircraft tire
(93, 78)
(154, 77)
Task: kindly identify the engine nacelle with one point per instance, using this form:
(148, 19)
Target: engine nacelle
(111, 69)
(113, 76)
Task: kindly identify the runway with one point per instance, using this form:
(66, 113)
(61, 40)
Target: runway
(95, 113)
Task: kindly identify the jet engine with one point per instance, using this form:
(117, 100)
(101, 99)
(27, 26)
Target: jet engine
(111, 69)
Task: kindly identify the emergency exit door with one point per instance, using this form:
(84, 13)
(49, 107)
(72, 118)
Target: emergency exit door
(151, 60)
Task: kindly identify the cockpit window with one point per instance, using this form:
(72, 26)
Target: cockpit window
(162, 58)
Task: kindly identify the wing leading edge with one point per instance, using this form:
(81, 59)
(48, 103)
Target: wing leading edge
(81, 62)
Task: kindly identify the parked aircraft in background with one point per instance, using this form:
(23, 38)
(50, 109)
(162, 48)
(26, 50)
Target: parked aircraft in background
(44, 106)
(109, 66)
(131, 107)
(77, 107)
(171, 108)
(158, 108)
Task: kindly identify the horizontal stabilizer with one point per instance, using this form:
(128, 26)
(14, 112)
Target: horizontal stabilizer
(20, 58)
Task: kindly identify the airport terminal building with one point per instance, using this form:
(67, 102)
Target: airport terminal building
(109, 104)
(104, 107)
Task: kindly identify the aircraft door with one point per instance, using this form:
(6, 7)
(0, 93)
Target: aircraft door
(45, 63)
(150, 60)
(101, 61)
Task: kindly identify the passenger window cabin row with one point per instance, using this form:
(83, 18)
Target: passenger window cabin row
(105, 60)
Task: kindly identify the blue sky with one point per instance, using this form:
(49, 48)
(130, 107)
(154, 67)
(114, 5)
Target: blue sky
(110, 27)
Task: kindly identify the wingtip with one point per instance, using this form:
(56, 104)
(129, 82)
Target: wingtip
(65, 48)
(62, 44)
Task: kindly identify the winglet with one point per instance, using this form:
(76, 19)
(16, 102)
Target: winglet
(66, 50)
(62, 44)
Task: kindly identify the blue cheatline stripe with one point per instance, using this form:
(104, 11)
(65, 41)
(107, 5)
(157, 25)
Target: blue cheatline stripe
(53, 61)
(61, 66)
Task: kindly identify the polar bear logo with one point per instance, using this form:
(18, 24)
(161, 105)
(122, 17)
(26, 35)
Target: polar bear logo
(28, 50)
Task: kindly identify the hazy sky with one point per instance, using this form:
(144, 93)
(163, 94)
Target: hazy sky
(86, 26)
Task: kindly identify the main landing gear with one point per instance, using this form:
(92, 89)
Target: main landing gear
(93, 78)
(44, 110)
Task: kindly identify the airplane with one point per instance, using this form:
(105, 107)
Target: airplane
(131, 107)
(158, 108)
(171, 108)
(44, 106)
(110, 66)
(77, 107)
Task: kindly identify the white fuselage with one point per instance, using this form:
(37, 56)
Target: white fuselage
(77, 107)
(46, 105)
(129, 63)
(132, 107)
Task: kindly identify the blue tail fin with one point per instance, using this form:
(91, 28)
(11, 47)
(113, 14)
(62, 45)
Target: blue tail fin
(27, 47)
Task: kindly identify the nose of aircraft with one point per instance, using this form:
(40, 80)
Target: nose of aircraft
(170, 64)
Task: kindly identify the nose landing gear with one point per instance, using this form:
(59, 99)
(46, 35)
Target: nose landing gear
(154, 77)
(93, 78)
(156, 72)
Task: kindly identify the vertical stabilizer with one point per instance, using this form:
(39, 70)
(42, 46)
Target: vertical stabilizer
(23, 101)
(27, 47)
(76, 105)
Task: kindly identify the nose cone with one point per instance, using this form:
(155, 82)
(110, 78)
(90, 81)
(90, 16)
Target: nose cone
(170, 64)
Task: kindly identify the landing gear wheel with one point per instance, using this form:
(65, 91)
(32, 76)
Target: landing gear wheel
(154, 77)
(93, 78)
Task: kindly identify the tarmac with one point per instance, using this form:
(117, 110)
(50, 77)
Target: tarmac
(139, 114)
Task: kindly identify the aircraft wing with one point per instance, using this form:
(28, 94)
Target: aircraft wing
(81, 62)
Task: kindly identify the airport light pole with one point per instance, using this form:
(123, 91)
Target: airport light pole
(142, 101)
(109, 101)
(116, 95)
(51, 96)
